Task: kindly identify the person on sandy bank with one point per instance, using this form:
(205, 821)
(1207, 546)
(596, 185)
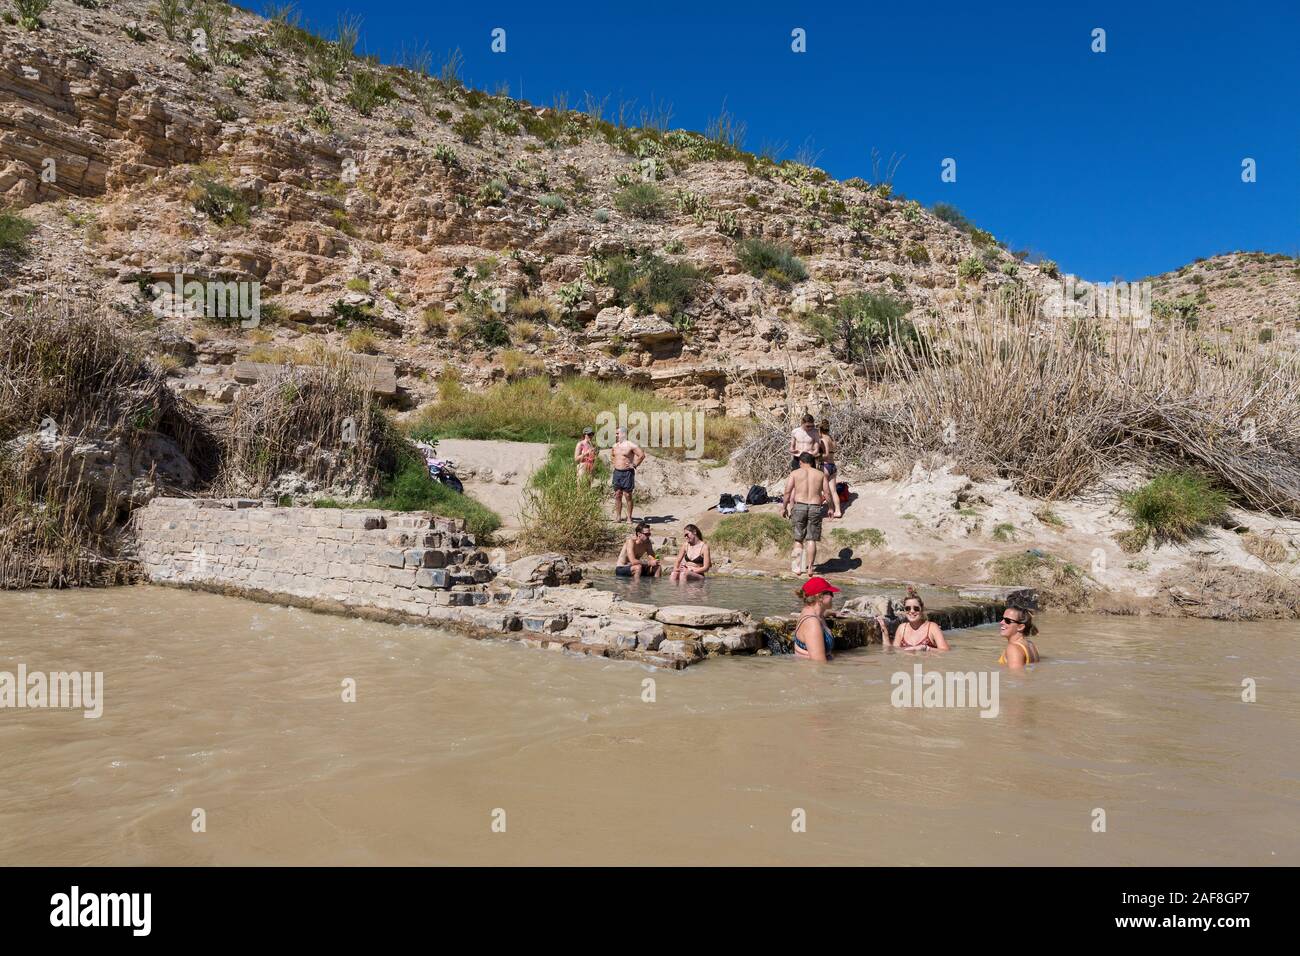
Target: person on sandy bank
(812, 638)
(637, 556)
(804, 438)
(916, 632)
(1017, 627)
(804, 503)
(624, 458)
(584, 455)
(694, 560)
(826, 460)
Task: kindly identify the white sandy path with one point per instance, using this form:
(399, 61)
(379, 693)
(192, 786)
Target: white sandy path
(521, 457)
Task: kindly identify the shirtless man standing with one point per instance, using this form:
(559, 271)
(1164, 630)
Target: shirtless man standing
(806, 492)
(624, 458)
(804, 439)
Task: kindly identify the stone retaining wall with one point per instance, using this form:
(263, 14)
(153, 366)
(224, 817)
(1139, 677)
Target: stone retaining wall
(413, 568)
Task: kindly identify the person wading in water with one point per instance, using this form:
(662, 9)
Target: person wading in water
(812, 638)
(917, 632)
(806, 492)
(694, 560)
(625, 457)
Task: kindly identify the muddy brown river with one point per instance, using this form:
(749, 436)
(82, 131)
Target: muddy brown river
(458, 751)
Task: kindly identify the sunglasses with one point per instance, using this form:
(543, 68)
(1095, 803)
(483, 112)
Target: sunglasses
(1011, 620)
(910, 607)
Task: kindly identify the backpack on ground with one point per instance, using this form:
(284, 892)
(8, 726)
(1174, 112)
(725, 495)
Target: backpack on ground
(842, 489)
(726, 501)
(757, 495)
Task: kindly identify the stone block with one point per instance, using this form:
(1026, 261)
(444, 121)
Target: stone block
(690, 615)
(432, 578)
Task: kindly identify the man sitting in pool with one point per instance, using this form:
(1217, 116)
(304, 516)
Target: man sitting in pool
(638, 555)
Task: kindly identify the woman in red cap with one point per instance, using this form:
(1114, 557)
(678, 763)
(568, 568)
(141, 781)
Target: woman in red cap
(812, 638)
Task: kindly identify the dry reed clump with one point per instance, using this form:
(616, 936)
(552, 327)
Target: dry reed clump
(1054, 405)
(1226, 593)
(63, 497)
(320, 421)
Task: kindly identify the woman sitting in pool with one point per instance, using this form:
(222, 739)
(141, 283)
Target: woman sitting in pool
(1017, 627)
(917, 632)
(812, 638)
(693, 561)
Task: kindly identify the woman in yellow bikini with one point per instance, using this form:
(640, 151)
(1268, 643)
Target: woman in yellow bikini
(1017, 627)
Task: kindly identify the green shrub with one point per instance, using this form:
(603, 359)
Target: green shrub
(219, 202)
(29, 13)
(529, 409)
(971, 268)
(650, 283)
(367, 92)
(864, 323)
(14, 230)
(752, 532)
(642, 201)
(411, 488)
(469, 128)
(952, 216)
(1174, 506)
(853, 540)
(1059, 583)
(552, 201)
(767, 260)
(562, 513)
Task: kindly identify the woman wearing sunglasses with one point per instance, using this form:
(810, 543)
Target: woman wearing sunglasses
(917, 632)
(1017, 627)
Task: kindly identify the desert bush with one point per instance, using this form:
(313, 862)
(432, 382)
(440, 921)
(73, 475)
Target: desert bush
(768, 260)
(218, 202)
(650, 282)
(29, 13)
(562, 513)
(641, 201)
(14, 231)
(752, 532)
(861, 325)
(368, 93)
(1059, 583)
(1171, 507)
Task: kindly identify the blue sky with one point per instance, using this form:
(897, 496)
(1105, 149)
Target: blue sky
(1118, 165)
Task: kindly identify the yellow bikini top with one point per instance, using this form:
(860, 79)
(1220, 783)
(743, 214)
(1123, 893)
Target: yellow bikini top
(1031, 652)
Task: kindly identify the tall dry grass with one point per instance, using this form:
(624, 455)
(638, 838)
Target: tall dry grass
(1055, 405)
(83, 368)
(321, 421)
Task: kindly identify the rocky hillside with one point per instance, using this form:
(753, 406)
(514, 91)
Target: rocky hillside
(412, 217)
(407, 216)
(1252, 290)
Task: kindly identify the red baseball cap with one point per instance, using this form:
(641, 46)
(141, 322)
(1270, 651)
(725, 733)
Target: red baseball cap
(818, 586)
